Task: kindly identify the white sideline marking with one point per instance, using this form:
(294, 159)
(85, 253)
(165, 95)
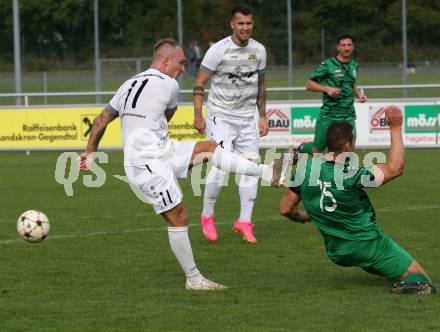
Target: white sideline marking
(408, 208)
(128, 231)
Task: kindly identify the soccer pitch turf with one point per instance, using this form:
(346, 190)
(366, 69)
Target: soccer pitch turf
(107, 265)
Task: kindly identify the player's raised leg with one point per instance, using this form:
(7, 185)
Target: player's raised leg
(233, 163)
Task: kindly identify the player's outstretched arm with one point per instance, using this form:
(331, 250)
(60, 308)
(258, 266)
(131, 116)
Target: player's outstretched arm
(289, 207)
(198, 96)
(396, 155)
(316, 87)
(98, 130)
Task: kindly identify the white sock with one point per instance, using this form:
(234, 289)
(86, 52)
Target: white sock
(248, 193)
(230, 162)
(181, 247)
(213, 187)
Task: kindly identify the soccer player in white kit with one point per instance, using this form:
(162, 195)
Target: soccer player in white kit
(235, 66)
(145, 103)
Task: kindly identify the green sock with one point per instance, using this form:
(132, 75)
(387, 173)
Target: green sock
(306, 148)
(416, 277)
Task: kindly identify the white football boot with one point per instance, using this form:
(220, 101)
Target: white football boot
(204, 284)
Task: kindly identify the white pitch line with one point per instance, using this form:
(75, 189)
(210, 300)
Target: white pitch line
(408, 208)
(102, 233)
(128, 231)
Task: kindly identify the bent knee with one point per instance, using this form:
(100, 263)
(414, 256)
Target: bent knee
(182, 217)
(177, 216)
(284, 209)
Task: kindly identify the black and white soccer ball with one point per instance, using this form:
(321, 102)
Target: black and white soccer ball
(33, 226)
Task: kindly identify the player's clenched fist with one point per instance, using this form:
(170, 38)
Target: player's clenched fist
(84, 161)
(393, 116)
(200, 124)
(332, 92)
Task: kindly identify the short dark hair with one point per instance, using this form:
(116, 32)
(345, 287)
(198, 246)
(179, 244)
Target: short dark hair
(241, 8)
(339, 134)
(344, 36)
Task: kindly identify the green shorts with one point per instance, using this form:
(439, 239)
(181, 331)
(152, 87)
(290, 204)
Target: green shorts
(322, 123)
(380, 256)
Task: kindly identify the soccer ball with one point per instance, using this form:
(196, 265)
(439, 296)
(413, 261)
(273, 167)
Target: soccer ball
(33, 226)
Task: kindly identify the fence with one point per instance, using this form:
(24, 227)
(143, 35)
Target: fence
(27, 95)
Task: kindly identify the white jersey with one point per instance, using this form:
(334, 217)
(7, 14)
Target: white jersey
(234, 80)
(141, 103)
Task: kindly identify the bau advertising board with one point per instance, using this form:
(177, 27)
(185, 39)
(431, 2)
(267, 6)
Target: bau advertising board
(420, 124)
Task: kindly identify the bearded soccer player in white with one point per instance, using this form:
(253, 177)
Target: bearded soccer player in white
(145, 103)
(235, 66)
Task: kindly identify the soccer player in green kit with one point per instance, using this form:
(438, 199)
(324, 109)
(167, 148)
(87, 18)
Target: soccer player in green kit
(334, 199)
(336, 79)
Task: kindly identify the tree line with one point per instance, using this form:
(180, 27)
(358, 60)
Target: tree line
(62, 30)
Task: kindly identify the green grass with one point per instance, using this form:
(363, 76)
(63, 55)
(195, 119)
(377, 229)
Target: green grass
(107, 266)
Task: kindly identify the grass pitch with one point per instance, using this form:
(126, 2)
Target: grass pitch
(107, 265)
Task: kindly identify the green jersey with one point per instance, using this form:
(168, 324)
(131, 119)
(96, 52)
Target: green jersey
(334, 197)
(335, 73)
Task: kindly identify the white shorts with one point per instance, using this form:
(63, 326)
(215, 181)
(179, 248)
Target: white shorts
(156, 181)
(238, 135)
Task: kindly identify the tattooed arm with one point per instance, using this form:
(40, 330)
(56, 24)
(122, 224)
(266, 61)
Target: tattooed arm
(261, 105)
(198, 97)
(98, 130)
